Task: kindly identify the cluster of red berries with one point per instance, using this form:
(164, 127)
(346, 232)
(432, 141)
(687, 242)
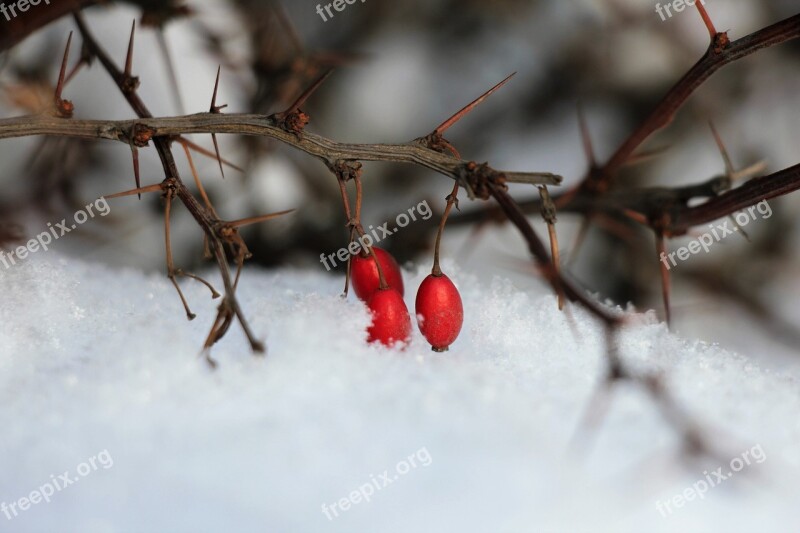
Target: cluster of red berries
(440, 313)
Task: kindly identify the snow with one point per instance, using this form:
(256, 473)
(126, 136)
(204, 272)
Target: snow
(96, 359)
(99, 362)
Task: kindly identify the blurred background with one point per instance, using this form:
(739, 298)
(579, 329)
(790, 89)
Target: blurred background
(400, 70)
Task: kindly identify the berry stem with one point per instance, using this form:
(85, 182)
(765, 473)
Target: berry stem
(383, 285)
(452, 199)
(348, 216)
(354, 221)
(349, 271)
(360, 229)
(359, 197)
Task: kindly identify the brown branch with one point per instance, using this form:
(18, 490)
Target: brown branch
(211, 225)
(714, 59)
(539, 252)
(754, 191)
(253, 125)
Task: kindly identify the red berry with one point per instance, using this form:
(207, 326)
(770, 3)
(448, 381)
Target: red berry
(440, 311)
(364, 273)
(390, 319)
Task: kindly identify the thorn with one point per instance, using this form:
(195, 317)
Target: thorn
(645, 155)
(219, 157)
(255, 220)
(199, 184)
(293, 120)
(752, 170)
(444, 126)
(84, 61)
(150, 188)
(738, 226)
(729, 170)
(307, 93)
(586, 137)
(130, 82)
(129, 55)
(214, 107)
(64, 108)
(62, 74)
(135, 156)
(665, 279)
(580, 238)
(202, 151)
(162, 43)
(217, 109)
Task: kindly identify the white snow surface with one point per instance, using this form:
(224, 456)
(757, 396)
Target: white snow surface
(94, 359)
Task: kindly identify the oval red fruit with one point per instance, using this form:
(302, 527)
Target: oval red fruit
(440, 313)
(364, 273)
(390, 319)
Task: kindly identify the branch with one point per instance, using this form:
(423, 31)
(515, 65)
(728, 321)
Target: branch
(254, 125)
(754, 191)
(211, 225)
(714, 59)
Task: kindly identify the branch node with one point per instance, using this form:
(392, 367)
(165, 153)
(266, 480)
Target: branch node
(479, 177)
(345, 170)
(141, 135)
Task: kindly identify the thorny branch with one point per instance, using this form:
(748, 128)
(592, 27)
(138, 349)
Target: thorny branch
(255, 125)
(212, 227)
(666, 210)
(720, 52)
